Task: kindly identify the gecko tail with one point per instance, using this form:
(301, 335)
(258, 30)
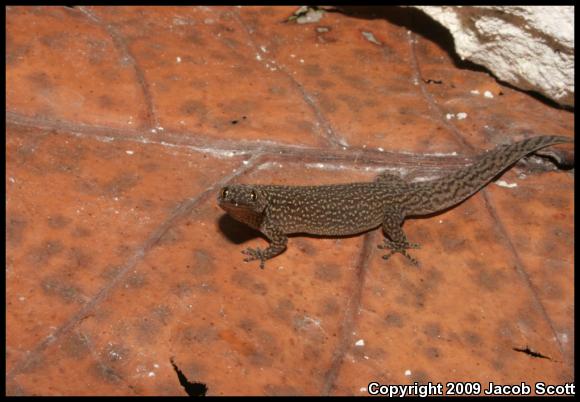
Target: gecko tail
(437, 195)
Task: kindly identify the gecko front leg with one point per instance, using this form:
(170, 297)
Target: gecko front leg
(278, 242)
(397, 242)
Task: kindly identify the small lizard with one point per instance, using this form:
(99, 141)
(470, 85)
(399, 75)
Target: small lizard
(353, 208)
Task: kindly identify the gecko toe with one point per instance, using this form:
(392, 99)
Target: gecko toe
(387, 256)
(254, 254)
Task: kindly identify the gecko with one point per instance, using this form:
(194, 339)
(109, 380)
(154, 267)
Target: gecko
(355, 208)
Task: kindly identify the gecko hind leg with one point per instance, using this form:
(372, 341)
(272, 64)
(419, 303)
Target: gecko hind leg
(397, 241)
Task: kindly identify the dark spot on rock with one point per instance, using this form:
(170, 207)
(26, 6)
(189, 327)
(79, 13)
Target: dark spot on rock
(123, 250)
(419, 376)
(194, 107)
(394, 320)
(472, 338)
(328, 273)
(240, 106)
(121, 184)
(242, 70)
(110, 272)
(313, 70)
(358, 82)
(40, 80)
(276, 90)
(407, 111)
(432, 353)
(58, 221)
(284, 309)
(79, 258)
(182, 289)
(196, 38)
(353, 103)
(161, 313)
(148, 329)
(88, 186)
(306, 246)
(260, 359)
(303, 126)
(325, 84)
(104, 372)
(61, 288)
(106, 101)
(453, 245)
(327, 103)
(247, 324)
(249, 282)
(202, 264)
(311, 353)
(76, 345)
(231, 43)
(203, 334)
(370, 102)
(490, 279)
(55, 41)
(149, 167)
(16, 53)
(476, 265)
(329, 306)
(498, 365)
(433, 330)
(15, 226)
(43, 253)
(81, 231)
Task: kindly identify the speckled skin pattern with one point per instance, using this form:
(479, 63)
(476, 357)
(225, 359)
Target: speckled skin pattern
(347, 209)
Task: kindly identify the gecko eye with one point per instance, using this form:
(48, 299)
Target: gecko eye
(225, 192)
(253, 195)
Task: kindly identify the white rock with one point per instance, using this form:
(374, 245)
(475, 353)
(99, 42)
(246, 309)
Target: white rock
(530, 47)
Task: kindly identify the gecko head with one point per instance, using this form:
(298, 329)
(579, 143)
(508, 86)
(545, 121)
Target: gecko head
(242, 197)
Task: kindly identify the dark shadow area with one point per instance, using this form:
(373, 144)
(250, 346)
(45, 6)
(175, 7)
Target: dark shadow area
(431, 30)
(192, 388)
(530, 352)
(237, 232)
(562, 160)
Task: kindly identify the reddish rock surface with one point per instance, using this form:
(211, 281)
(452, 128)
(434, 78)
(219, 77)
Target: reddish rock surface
(125, 278)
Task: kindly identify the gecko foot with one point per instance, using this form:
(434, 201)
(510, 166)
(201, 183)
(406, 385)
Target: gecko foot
(255, 254)
(397, 247)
